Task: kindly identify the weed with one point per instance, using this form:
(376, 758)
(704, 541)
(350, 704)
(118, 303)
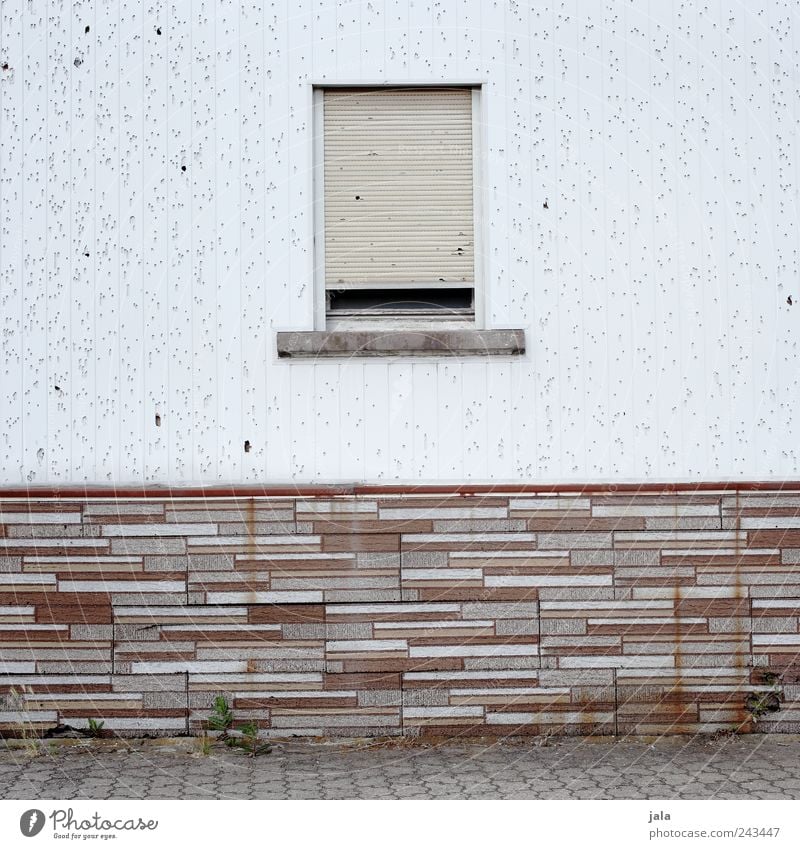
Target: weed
(221, 719)
(95, 728)
(24, 728)
(760, 703)
(244, 736)
(248, 740)
(723, 734)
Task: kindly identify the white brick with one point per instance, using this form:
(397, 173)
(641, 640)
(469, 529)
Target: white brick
(366, 645)
(669, 510)
(442, 574)
(466, 675)
(444, 513)
(121, 586)
(554, 502)
(420, 539)
(425, 625)
(40, 518)
(8, 667)
(757, 522)
(72, 543)
(155, 667)
(776, 639)
(548, 580)
(161, 530)
(490, 650)
(434, 712)
(242, 541)
(617, 661)
(367, 609)
(288, 597)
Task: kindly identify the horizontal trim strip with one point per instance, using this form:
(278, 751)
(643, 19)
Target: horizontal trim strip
(286, 490)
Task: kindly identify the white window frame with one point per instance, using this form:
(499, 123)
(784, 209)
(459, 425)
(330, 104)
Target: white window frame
(479, 204)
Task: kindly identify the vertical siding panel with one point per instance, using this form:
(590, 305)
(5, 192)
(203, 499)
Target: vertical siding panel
(770, 280)
(450, 421)
(350, 396)
(300, 157)
(205, 363)
(227, 277)
(303, 424)
(617, 253)
(279, 423)
(722, 246)
(420, 41)
(300, 255)
(784, 61)
(372, 52)
(713, 260)
(571, 375)
(395, 39)
(693, 395)
(474, 437)
(543, 337)
(58, 339)
(401, 418)
(177, 413)
(31, 56)
(326, 450)
(443, 54)
(135, 417)
(737, 302)
(81, 386)
(511, 388)
(506, 410)
(467, 40)
(276, 177)
(323, 46)
(277, 281)
(498, 117)
(592, 271)
(530, 425)
(15, 455)
(642, 267)
(105, 251)
(348, 41)
(255, 337)
(425, 424)
(518, 189)
(666, 238)
(376, 421)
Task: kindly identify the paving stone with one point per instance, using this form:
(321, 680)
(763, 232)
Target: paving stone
(751, 766)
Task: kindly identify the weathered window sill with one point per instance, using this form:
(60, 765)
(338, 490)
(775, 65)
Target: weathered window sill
(402, 343)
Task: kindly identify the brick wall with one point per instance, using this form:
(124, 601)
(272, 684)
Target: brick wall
(517, 613)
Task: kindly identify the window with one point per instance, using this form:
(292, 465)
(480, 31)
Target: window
(397, 223)
(395, 201)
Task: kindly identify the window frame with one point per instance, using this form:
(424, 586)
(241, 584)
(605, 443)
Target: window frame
(479, 204)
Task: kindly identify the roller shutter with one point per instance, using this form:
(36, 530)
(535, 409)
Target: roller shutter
(398, 195)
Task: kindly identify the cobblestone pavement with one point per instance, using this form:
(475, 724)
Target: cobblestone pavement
(756, 767)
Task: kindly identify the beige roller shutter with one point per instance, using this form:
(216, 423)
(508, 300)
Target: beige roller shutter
(398, 194)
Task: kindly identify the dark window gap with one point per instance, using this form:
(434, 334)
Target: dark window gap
(406, 301)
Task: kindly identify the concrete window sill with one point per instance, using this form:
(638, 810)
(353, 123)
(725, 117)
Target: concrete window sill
(401, 343)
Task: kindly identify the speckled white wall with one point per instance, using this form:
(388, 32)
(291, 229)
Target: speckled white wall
(641, 225)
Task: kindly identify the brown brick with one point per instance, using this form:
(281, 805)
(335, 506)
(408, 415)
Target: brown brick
(360, 542)
(286, 613)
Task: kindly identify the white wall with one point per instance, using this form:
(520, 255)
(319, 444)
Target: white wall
(653, 290)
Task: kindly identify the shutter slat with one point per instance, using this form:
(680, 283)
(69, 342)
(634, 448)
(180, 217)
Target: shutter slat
(398, 192)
